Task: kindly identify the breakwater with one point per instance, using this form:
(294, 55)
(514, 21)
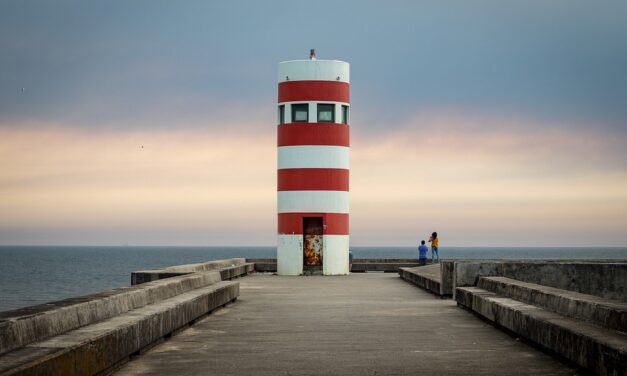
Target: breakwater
(576, 310)
(34, 275)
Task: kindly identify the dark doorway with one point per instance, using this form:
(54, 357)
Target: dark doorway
(312, 241)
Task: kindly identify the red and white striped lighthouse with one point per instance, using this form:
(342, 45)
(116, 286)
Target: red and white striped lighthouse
(313, 166)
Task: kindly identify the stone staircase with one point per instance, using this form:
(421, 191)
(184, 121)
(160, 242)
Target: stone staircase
(93, 334)
(585, 329)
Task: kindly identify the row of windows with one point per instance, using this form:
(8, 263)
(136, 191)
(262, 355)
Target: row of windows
(300, 113)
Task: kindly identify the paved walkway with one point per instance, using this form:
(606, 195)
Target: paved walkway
(363, 324)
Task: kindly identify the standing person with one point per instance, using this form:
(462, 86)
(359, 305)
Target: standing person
(422, 253)
(434, 247)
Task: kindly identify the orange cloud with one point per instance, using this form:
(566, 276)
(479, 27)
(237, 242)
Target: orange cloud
(521, 184)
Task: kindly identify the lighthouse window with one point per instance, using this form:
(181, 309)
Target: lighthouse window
(326, 113)
(282, 114)
(300, 113)
(344, 114)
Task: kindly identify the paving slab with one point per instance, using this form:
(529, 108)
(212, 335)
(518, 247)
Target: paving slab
(362, 324)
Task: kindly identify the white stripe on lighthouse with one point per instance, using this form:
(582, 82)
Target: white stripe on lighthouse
(314, 70)
(313, 156)
(335, 254)
(290, 255)
(312, 201)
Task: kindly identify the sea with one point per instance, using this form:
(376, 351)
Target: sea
(31, 275)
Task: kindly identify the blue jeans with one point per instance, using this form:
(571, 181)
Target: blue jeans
(434, 254)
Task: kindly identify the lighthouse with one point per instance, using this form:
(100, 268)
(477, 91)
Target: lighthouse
(313, 166)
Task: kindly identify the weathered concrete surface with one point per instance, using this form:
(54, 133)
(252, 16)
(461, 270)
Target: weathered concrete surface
(362, 324)
(236, 271)
(426, 277)
(267, 265)
(382, 265)
(603, 278)
(604, 312)
(447, 268)
(467, 273)
(229, 269)
(26, 325)
(600, 350)
(95, 348)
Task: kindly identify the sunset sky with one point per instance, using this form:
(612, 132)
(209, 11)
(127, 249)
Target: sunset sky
(495, 123)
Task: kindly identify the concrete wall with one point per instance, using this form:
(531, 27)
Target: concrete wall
(382, 265)
(447, 271)
(604, 278)
(264, 265)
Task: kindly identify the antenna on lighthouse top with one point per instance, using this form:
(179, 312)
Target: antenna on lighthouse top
(312, 54)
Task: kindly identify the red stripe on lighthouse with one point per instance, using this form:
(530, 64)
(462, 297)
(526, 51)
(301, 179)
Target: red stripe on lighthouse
(312, 179)
(296, 134)
(335, 91)
(333, 223)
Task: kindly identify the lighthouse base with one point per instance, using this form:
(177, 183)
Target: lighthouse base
(290, 260)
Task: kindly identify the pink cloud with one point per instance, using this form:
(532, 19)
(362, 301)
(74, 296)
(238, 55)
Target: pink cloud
(468, 177)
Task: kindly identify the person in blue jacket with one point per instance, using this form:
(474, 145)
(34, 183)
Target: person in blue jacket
(422, 253)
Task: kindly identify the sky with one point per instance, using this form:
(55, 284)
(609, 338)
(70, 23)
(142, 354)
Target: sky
(495, 123)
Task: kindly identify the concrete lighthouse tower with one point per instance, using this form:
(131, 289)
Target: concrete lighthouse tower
(313, 168)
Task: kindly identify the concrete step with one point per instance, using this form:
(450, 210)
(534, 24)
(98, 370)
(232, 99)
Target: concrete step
(236, 271)
(229, 269)
(604, 312)
(31, 324)
(98, 347)
(426, 277)
(598, 349)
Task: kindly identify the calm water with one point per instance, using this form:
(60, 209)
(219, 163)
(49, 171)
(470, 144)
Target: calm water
(34, 275)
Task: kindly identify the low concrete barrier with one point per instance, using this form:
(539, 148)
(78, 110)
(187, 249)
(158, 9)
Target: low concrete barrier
(603, 278)
(426, 277)
(447, 270)
(382, 265)
(229, 269)
(607, 279)
(90, 334)
(264, 265)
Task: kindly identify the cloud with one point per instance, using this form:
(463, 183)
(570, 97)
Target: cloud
(68, 177)
(473, 177)
(478, 179)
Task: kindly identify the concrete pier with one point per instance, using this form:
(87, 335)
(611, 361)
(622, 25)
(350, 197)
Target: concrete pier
(362, 324)
(558, 317)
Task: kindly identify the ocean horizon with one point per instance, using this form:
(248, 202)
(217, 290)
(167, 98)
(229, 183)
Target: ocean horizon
(31, 275)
